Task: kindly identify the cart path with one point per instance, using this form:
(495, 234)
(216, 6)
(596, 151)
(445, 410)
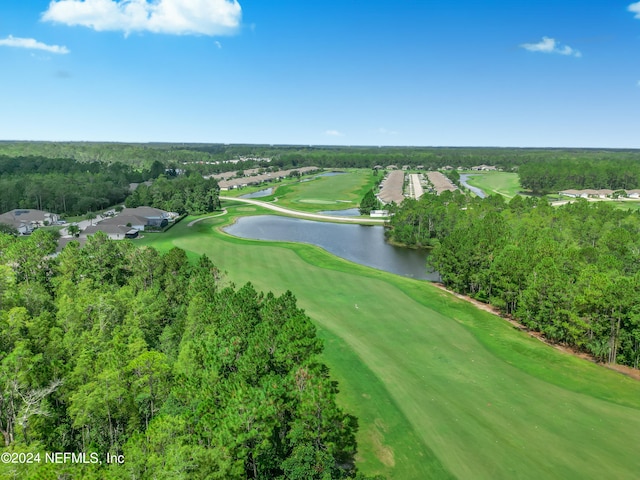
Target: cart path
(191, 224)
(313, 216)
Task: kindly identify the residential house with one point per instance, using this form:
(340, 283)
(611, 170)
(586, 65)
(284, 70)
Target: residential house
(27, 220)
(572, 193)
(130, 222)
(114, 232)
(633, 193)
(587, 193)
(484, 168)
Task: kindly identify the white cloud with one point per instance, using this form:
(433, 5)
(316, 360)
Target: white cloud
(334, 133)
(32, 44)
(635, 8)
(217, 44)
(384, 131)
(176, 17)
(550, 45)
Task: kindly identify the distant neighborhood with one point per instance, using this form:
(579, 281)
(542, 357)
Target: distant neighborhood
(254, 177)
(602, 193)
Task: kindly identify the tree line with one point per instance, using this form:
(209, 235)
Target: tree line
(572, 272)
(203, 157)
(553, 175)
(113, 349)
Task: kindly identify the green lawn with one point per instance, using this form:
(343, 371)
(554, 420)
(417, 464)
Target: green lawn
(627, 205)
(502, 183)
(337, 192)
(441, 388)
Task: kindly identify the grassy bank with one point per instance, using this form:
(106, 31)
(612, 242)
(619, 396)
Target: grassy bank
(441, 388)
(500, 183)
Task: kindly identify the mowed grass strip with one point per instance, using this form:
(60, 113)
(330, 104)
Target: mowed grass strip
(336, 192)
(441, 389)
(502, 183)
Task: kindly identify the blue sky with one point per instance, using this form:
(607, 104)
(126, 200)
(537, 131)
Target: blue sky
(407, 72)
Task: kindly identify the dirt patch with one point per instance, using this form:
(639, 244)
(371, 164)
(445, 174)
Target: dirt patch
(383, 452)
(628, 371)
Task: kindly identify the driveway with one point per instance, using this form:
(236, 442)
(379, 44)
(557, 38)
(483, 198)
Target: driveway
(82, 225)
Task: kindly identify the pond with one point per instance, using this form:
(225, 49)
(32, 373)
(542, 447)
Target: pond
(330, 174)
(463, 180)
(358, 243)
(260, 193)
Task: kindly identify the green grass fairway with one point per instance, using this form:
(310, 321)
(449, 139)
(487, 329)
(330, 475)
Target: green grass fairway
(501, 183)
(442, 389)
(627, 204)
(338, 192)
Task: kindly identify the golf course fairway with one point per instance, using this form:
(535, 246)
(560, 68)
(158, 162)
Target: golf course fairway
(496, 183)
(441, 389)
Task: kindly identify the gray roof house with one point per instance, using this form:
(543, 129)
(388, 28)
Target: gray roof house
(26, 220)
(130, 221)
(114, 232)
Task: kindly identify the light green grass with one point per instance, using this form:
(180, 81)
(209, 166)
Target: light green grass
(627, 204)
(327, 193)
(441, 389)
(501, 183)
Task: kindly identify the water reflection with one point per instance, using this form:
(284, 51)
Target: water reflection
(260, 193)
(357, 243)
(463, 180)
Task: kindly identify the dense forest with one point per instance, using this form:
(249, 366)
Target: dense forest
(572, 272)
(203, 157)
(191, 194)
(113, 349)
(553, 175)
(63, 186)
(70, 187)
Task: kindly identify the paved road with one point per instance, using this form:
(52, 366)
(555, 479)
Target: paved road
(82, 225)
(416, 187)
(313, 216)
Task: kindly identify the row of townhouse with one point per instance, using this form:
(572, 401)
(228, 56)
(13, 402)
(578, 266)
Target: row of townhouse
(601, 193)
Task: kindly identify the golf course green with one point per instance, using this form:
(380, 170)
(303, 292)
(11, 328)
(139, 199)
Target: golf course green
(336, 192)
(441, 388)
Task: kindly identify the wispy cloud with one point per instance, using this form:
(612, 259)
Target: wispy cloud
(384, 131)
(32, 44)
(635, 8)
(175, 17)
(551, 45)
(217, 44)
(334, 133)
